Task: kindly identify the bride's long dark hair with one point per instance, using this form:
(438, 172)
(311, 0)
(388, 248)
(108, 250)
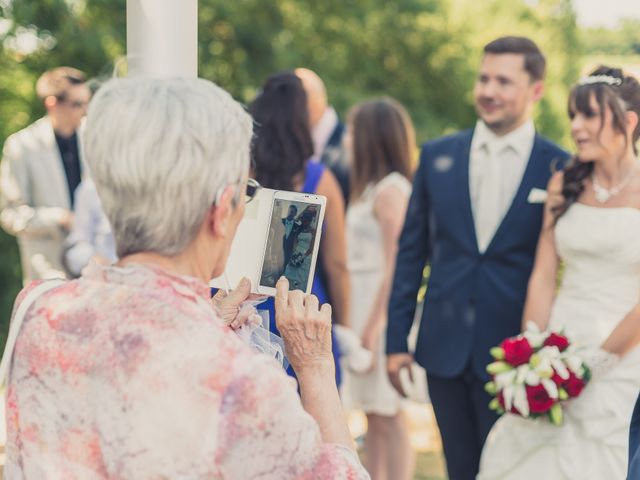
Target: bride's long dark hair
(619, 99)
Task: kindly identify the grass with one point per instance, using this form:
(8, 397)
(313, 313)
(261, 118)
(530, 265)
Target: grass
(430, 466)
(425, 439)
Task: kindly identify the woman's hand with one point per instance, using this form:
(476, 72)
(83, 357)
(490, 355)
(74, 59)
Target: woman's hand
(230, 306)
(305, 328)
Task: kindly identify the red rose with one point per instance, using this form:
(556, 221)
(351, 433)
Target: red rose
(574, 385)
(555, 340)
(538, 398)
(517, 351)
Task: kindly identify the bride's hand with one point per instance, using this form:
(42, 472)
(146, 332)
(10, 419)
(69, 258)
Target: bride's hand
(600, 361)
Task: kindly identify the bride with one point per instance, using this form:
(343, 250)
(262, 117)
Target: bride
(592, 225)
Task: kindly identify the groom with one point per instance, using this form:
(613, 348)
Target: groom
(469, 218)
(291, 228)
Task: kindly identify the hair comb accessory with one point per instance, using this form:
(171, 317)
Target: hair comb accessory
(594, 79)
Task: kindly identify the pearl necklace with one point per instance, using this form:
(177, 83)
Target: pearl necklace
(604, 194)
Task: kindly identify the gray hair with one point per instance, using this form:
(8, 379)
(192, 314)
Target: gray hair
(159, 150)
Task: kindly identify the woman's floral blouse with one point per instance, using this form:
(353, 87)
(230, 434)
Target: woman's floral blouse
(127, 373)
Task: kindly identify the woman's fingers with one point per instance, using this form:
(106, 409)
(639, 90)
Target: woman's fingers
(311, 305)
(296, 301)
(242, 317)
(326, 312)
(282, 298)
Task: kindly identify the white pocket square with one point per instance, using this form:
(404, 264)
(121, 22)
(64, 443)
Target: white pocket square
(537, 195)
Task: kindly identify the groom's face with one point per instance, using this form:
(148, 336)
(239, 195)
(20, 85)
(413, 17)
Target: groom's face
(504, 92)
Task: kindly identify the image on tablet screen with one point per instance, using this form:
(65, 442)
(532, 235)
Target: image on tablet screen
(289, 249)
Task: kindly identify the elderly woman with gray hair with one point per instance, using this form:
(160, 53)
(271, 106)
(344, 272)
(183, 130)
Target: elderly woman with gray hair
(129, 371)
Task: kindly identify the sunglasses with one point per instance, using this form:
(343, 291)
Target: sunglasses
(74, 104)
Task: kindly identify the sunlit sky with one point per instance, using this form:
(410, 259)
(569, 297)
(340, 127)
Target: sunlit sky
(605, 13)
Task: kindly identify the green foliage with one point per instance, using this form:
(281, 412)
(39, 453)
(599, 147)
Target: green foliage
(360, 48)
(424, 53)
(623, 40)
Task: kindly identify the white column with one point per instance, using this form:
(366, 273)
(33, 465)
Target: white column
(162, 38)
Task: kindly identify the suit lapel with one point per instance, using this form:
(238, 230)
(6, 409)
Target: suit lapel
(462, 153)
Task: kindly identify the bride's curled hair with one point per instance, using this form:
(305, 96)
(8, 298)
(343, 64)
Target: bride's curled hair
(613, 90)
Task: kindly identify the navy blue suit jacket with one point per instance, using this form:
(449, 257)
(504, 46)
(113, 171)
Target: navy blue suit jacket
(334, 157)
(634, 444)
(474, 300)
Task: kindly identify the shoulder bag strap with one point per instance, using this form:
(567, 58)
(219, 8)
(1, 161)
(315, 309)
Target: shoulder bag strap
(16, 324)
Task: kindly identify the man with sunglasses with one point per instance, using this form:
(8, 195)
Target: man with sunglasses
(41, 168)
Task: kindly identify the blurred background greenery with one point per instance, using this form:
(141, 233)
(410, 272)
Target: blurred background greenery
(422, 52)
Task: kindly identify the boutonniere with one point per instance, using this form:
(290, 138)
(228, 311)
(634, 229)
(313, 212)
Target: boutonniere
(537, 195)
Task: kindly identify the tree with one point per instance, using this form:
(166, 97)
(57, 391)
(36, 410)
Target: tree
(619, 41)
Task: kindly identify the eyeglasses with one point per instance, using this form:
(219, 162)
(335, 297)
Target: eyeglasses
(250, 192)
(253, 187)
(74, 104)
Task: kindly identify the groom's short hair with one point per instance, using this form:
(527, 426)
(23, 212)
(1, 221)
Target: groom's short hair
(534, 61)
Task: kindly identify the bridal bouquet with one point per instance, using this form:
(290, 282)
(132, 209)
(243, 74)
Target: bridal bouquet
(534, 372)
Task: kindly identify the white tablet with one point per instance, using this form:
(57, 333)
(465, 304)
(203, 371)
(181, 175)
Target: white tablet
(278, 235)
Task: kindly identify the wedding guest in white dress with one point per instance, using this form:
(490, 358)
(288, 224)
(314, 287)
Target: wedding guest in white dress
(592, 226)
(381, 142)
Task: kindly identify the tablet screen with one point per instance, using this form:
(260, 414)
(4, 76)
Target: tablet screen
(290, 242)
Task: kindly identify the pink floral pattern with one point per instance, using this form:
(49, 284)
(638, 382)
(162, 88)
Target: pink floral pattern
(128, 373)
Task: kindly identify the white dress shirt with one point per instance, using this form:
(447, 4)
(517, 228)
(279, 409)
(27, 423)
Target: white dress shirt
(496, 167)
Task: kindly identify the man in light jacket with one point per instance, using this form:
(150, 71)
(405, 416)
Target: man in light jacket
(40, 170)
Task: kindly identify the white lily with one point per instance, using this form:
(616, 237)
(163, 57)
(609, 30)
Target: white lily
(574, 363)
(550, 387)
(507, 394)
(505, 379)
(532, 378)
(522, 373)
(520, 400)
(560, 368)
(548, 357)
(533, 335)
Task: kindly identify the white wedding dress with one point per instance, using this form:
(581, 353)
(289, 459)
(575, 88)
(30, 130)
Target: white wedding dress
(600, 248)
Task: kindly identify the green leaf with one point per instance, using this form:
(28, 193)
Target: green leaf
(562, 394)
(534, 361)
(555, 414)
(496, 368)
(490, 388)
(497, 353)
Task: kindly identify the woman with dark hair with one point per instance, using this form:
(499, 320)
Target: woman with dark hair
(381, 143)
(281, 150)
(591, 225)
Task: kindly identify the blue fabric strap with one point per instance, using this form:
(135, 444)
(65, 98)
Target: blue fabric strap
(314, 171)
